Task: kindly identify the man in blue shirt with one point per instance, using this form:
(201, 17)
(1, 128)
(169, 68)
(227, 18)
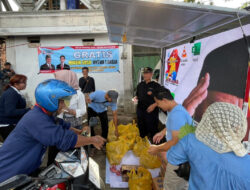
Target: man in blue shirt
(23, 150)
(99, 101)
(177, 117)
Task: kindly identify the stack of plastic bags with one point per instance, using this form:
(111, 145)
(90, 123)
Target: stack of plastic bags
(117, 148)
(129, 139)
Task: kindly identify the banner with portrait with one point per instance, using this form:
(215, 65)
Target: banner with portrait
(97, 58)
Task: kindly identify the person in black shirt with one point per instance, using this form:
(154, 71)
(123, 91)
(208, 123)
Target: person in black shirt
(147, 111)
(86, 83)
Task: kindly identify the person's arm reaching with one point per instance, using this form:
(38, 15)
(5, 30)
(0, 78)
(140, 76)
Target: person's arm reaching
(154, 149)
(175, 122)
(50, 134)
(159, 136)
(97, 141)
(115, 119)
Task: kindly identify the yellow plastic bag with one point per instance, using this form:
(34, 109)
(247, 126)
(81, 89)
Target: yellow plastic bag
(149, 161)
(142, 180)
(115, 151)
(140, 145)
(130, 141)
(130, 131)
(111, 132)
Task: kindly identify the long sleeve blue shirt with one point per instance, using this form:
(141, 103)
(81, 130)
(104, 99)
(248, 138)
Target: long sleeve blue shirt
(98, 102)
(24, 148)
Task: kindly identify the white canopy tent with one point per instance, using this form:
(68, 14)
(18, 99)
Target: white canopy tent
(162, 23)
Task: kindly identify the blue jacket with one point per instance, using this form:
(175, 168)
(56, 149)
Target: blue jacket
(12, 107)
(24, 148)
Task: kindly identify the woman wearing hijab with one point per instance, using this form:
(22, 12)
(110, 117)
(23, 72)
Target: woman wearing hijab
(215, 153)
(77, 106)
(12, 105)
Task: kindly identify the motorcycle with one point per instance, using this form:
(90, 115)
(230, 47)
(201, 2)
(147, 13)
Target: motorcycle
(72, 170)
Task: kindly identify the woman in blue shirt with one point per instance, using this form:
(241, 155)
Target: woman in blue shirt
(216, 155)
(12, 104)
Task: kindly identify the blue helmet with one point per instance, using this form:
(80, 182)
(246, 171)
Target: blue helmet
(50, 91)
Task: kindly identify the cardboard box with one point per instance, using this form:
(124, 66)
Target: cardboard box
(158, 183)
(125, 170)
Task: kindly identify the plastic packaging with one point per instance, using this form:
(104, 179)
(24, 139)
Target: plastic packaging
(140, 180)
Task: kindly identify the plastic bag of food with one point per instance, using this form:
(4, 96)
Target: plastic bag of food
(149, 161)
(140, 180)
(116, 151)
(140, 145)
(130, 140)
(129, 129)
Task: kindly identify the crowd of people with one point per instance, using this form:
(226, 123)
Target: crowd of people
(215, 153)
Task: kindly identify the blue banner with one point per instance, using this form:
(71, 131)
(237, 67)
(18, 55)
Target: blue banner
(96, 58)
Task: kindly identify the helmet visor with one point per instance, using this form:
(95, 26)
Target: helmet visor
(67, 100)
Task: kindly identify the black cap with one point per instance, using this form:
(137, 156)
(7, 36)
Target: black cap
(147, 70)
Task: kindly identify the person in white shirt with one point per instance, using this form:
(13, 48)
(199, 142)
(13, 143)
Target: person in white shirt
(76, 105)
